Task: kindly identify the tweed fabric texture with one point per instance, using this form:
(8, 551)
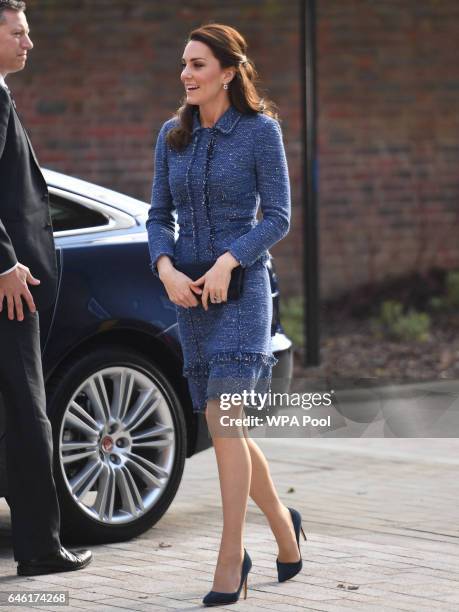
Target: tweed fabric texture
(213, 189)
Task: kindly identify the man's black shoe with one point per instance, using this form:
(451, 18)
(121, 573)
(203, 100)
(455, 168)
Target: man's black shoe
(61, 561)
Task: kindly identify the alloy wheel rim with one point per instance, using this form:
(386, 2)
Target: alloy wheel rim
(117, 445)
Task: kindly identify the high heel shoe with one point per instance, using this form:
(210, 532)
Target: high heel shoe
(215, 598)
(288, 570)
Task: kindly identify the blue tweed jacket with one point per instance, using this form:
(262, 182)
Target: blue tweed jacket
(237, 165)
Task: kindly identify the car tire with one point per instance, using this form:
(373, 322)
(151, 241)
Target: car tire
(79, 521)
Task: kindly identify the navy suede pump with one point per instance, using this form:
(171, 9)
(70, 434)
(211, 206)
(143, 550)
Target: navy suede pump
(215, 598)
(285, 571)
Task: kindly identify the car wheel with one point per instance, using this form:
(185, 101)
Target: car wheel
(119, 444)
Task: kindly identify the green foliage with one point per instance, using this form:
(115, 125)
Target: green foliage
(291, 316)
(452, 288)
(437, 303)
(450, 301)
(393, 322)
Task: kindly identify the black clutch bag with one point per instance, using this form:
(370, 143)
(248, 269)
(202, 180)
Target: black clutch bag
(195, 270)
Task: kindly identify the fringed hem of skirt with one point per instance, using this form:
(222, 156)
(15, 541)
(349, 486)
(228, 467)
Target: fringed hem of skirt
(228, 372)
(203, 368)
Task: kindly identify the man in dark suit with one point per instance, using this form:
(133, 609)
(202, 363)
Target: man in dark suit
(28, 281)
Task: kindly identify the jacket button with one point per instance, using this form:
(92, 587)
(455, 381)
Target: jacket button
(47, 226)
(44, 197)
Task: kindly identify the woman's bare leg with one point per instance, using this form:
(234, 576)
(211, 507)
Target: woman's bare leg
(264, 494)
(234, 469)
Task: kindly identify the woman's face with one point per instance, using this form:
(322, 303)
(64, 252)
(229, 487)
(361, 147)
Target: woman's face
(202, 75)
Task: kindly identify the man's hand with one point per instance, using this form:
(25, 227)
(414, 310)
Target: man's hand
(13, 288)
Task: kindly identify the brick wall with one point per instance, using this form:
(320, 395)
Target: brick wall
(104, 75)
(389, 139)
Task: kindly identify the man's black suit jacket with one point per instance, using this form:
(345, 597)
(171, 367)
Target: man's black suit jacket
(26, 233)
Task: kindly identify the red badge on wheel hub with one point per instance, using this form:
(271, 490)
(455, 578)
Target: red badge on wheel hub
(107, 444)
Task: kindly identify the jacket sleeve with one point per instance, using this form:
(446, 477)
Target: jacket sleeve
(274, 188)
(161, 220)
(7, 255)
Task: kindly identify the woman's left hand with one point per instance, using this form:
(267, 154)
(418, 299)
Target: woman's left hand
(216, 280)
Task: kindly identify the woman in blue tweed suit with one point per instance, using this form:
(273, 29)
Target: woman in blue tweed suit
(216, 161)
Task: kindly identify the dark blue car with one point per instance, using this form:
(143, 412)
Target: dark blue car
(119, 405)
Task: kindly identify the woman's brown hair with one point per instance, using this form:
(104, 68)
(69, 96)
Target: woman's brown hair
(229, 47)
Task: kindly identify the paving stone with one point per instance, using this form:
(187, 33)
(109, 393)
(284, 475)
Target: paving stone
(378, 514)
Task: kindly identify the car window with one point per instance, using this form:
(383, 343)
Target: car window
(69, 215)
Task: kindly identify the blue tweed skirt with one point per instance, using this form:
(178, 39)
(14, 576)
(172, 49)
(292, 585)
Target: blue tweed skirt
(227, 349)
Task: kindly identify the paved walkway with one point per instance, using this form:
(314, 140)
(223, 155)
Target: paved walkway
(381, 516)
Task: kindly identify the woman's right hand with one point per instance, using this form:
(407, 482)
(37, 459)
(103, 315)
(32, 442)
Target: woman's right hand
(177, 285)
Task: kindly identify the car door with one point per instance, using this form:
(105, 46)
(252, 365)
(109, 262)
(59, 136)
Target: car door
(67, 216)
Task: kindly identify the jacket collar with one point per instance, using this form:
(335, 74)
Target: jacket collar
(225, 124)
